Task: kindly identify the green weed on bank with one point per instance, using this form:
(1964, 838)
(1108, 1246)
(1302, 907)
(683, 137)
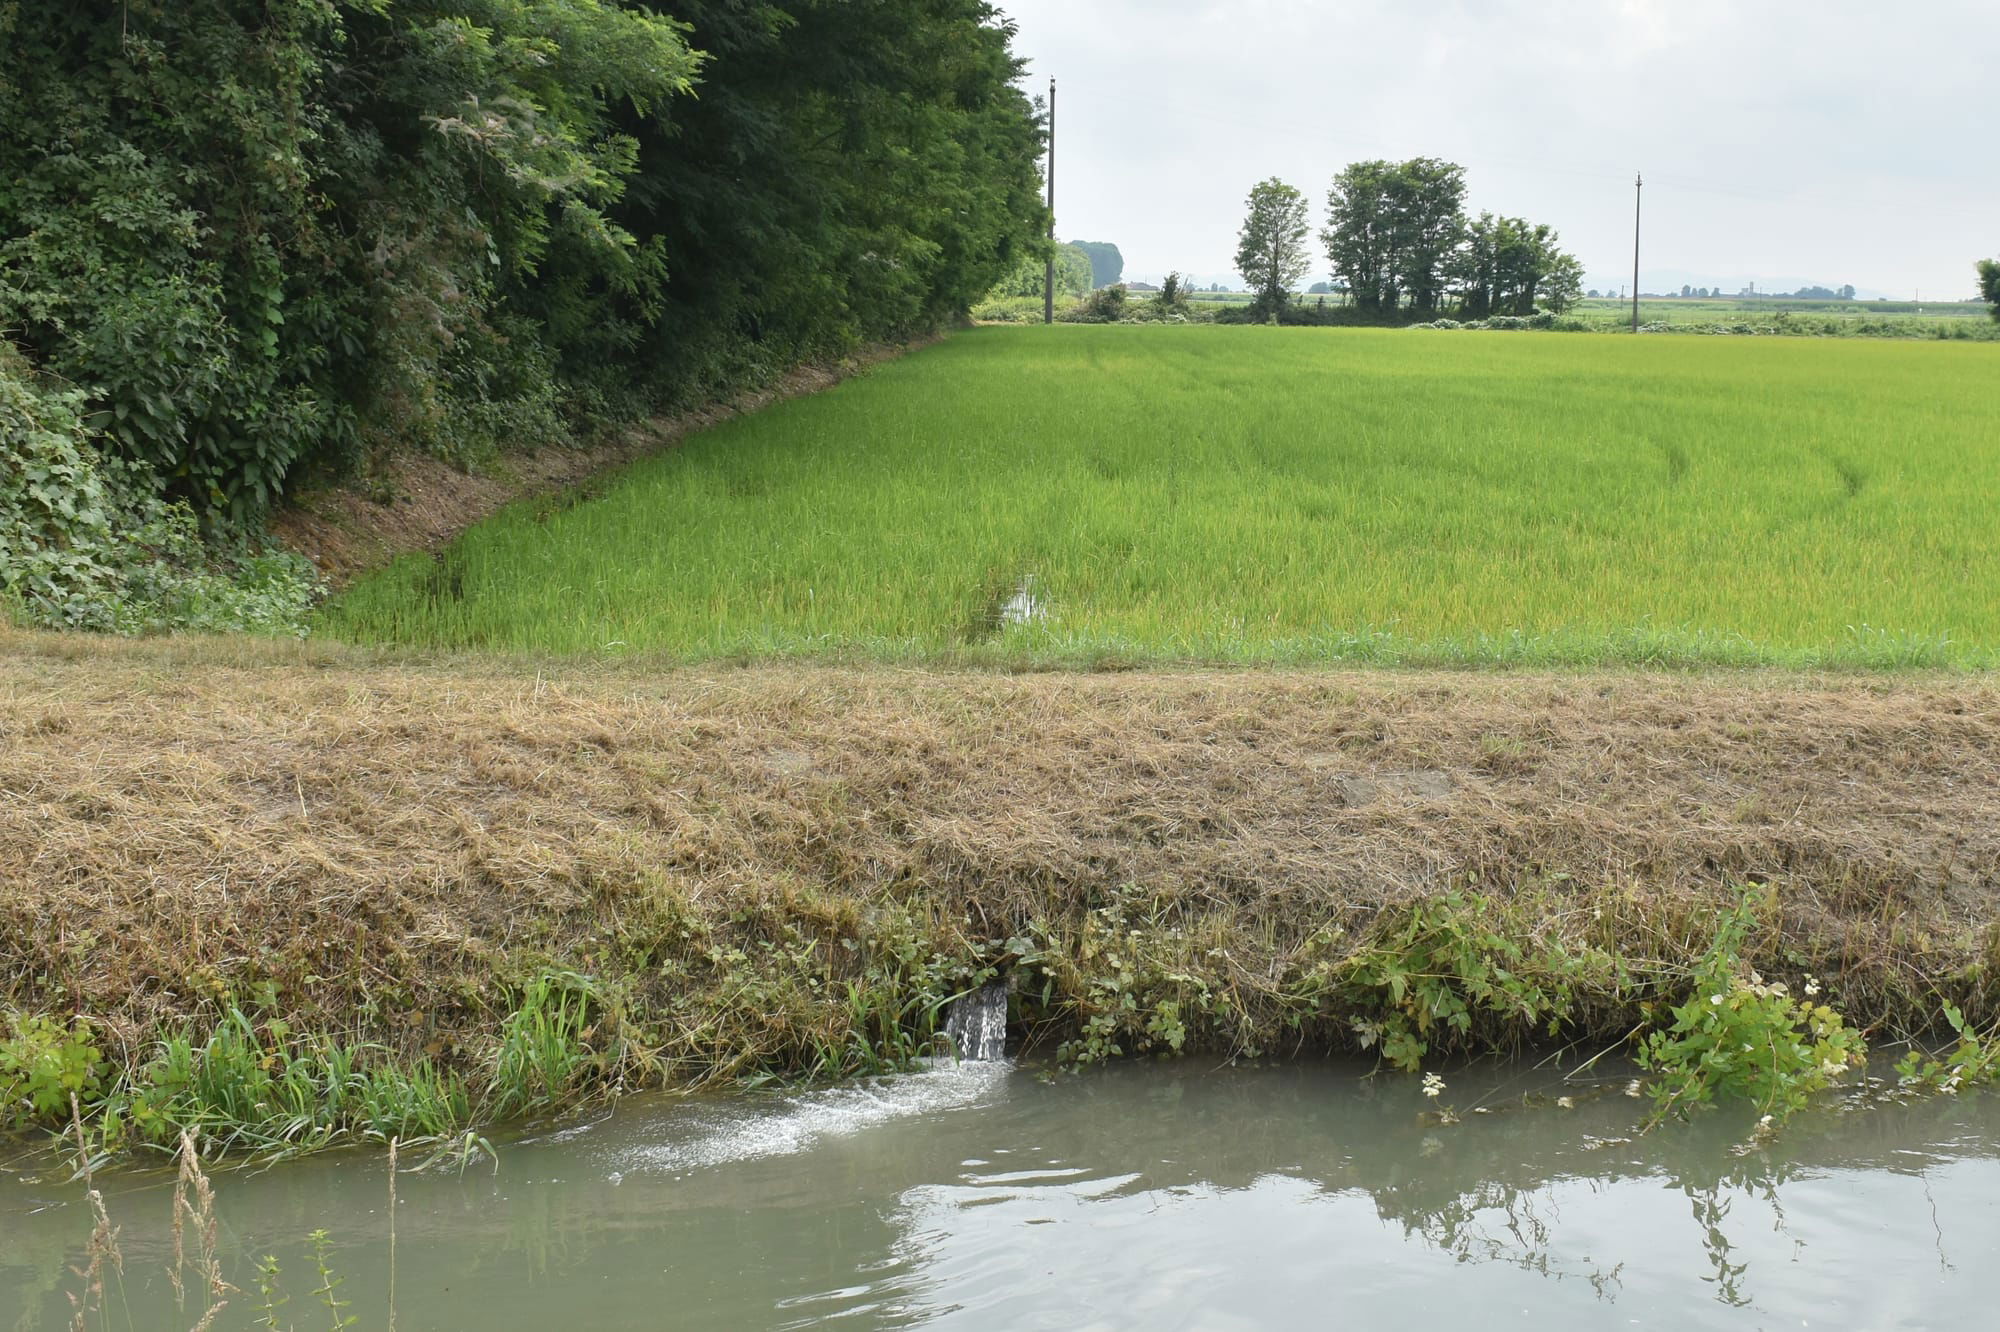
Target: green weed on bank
(813, 990)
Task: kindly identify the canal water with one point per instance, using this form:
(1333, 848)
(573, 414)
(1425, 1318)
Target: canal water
(1178, 1195)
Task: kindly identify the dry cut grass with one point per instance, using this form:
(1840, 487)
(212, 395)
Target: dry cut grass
(386, 850)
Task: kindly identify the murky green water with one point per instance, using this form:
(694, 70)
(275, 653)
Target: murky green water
(1156, 1196)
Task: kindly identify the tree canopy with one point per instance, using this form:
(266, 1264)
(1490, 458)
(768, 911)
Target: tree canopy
(261, 235)
(1073, 275)
(1508, 265)
(1271, 247)
(1398, 238)
(1989, 284)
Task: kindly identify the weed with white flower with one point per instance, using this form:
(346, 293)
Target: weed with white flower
(1740, 1036)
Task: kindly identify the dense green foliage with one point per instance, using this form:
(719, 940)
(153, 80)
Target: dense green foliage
(1508, 266)
(264, 235)
(1030, 275)
(1296, 496)
(1271, 246)
(87, 542)
(844, 171)
(1989, 284)
(1397, 235)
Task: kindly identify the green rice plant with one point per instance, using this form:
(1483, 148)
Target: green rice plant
(1086, 496)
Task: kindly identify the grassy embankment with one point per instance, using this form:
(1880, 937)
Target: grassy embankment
(409, 898)
(1269, 496)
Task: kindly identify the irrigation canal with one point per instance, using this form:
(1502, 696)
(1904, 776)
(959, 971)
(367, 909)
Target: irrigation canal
(1181, 1195)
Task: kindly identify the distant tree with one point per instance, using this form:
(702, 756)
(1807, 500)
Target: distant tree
(1319, 289)
(1476, 267)
(1271, 247)
(1847, 293)
(1361, 234)
(1989, 284)
(1593, 293)
(1073, 275)
(1427, 201)
(1508, 265)
(1393, 229)
(1107, 266)
(1562, 279)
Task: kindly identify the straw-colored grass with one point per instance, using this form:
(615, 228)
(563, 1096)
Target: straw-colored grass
(765, 869)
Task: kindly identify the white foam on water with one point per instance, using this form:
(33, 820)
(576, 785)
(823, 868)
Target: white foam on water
(795, 1123)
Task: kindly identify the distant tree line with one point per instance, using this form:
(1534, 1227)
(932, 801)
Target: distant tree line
(1687, 292)
(265, 235)
(1107, 265)
(1398, 240)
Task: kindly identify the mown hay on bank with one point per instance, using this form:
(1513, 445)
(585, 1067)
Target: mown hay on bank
(389, 850)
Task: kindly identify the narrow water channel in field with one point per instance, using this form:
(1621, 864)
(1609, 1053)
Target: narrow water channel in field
(1146, 1196)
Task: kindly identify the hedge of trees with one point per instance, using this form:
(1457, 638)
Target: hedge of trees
(1398, 238)
(260, 236)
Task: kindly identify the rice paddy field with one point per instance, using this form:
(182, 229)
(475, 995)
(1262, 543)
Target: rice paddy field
(1123, 495)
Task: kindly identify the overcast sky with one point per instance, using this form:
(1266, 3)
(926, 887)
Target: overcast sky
(1831, 141)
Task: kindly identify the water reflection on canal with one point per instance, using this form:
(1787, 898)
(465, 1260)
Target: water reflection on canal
(1147, 1196)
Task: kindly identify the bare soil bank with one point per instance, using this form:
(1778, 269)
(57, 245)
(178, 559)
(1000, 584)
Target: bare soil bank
(413, 503)
(388, 850)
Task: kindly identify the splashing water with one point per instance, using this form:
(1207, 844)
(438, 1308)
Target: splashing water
(977, 1024)
(705, 1138)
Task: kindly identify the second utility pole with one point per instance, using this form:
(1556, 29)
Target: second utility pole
(1638, 183)
(1049, 278)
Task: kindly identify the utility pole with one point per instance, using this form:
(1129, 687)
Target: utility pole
(1638, 184)
(1049, 277)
